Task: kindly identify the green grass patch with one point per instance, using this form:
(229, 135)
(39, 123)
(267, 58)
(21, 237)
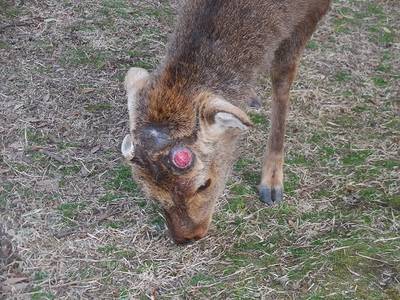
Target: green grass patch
(318, 137)
(108, 249)
(70, 211)
(37, 294)
(36, 137)
(69, 170)
(369, 194)
(345, 120)
(385, 69)
(252, 178)
(159, 222)
(388, 163)
(114, 225)
(347, 93)
(121, 179)
(260, 121)
(323, 193)
(387, 37)
(362, 108)
(291, 184)
(200, 278)
(367, 172)
(342, 76)
(9, 9)
(109, 197)
(236, 204)
(68, 144)
(356, 157)
(375, 10)
(313, 45)
(114, 4)
(380, 82)
(124, 254)
(394, 202)
(19, 167)
(3, 199)
(4, 46)
(85, 55)
(41, 275)
(298, 160)
(244, 163)
(99, 107)
(240, 189)
(84, 27)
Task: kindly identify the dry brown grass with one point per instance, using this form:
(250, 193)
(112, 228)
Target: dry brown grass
(74, 227)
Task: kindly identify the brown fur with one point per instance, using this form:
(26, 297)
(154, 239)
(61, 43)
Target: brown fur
(195, 100)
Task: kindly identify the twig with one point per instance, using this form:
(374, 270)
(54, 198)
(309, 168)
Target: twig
(354, 273)
(66, 232)
(388, 239)
(82, 227)
(371, 258)
(53, 156)
(77, 282)
(15, 25)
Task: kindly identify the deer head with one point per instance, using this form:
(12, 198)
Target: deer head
(181, 148)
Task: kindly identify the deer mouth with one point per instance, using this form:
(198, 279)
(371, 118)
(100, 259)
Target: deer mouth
(183, 230)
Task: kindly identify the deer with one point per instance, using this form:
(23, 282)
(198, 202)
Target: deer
(187, 116)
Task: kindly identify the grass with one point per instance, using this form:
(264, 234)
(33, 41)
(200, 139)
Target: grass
(75, 223)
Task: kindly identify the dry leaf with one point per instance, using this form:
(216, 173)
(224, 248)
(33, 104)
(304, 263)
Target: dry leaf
(18, 106)
(95, 149)
(14, 280)
(386, 30)
(86, 90)
(46, 97)
(14, 288)
(84, 171)
(293, 224)
(2, 171)
(48, 185)
(51, 20)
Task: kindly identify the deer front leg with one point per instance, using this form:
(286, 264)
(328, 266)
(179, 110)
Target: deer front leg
(271, 187)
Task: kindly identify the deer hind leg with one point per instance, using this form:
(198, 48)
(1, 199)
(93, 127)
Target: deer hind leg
(282, 73)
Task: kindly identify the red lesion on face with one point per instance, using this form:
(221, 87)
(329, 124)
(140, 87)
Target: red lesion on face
(182, 158)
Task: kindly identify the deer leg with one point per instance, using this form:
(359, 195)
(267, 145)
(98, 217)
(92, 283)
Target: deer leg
(282, 73)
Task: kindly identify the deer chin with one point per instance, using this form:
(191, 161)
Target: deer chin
(183, 230)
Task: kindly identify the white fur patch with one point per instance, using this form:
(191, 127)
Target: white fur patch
(127, 148)
(132, 78)
(223, 121)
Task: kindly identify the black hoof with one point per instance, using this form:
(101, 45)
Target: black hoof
(271, 196)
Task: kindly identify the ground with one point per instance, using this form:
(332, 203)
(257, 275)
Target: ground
(75, 226)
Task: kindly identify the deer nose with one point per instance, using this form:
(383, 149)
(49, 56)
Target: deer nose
(183, 230)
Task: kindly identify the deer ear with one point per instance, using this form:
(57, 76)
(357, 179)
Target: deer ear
(221, 115)
(135, 79)
(127, 147)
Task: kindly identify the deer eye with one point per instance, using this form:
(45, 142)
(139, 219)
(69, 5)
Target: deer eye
(204, 186)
